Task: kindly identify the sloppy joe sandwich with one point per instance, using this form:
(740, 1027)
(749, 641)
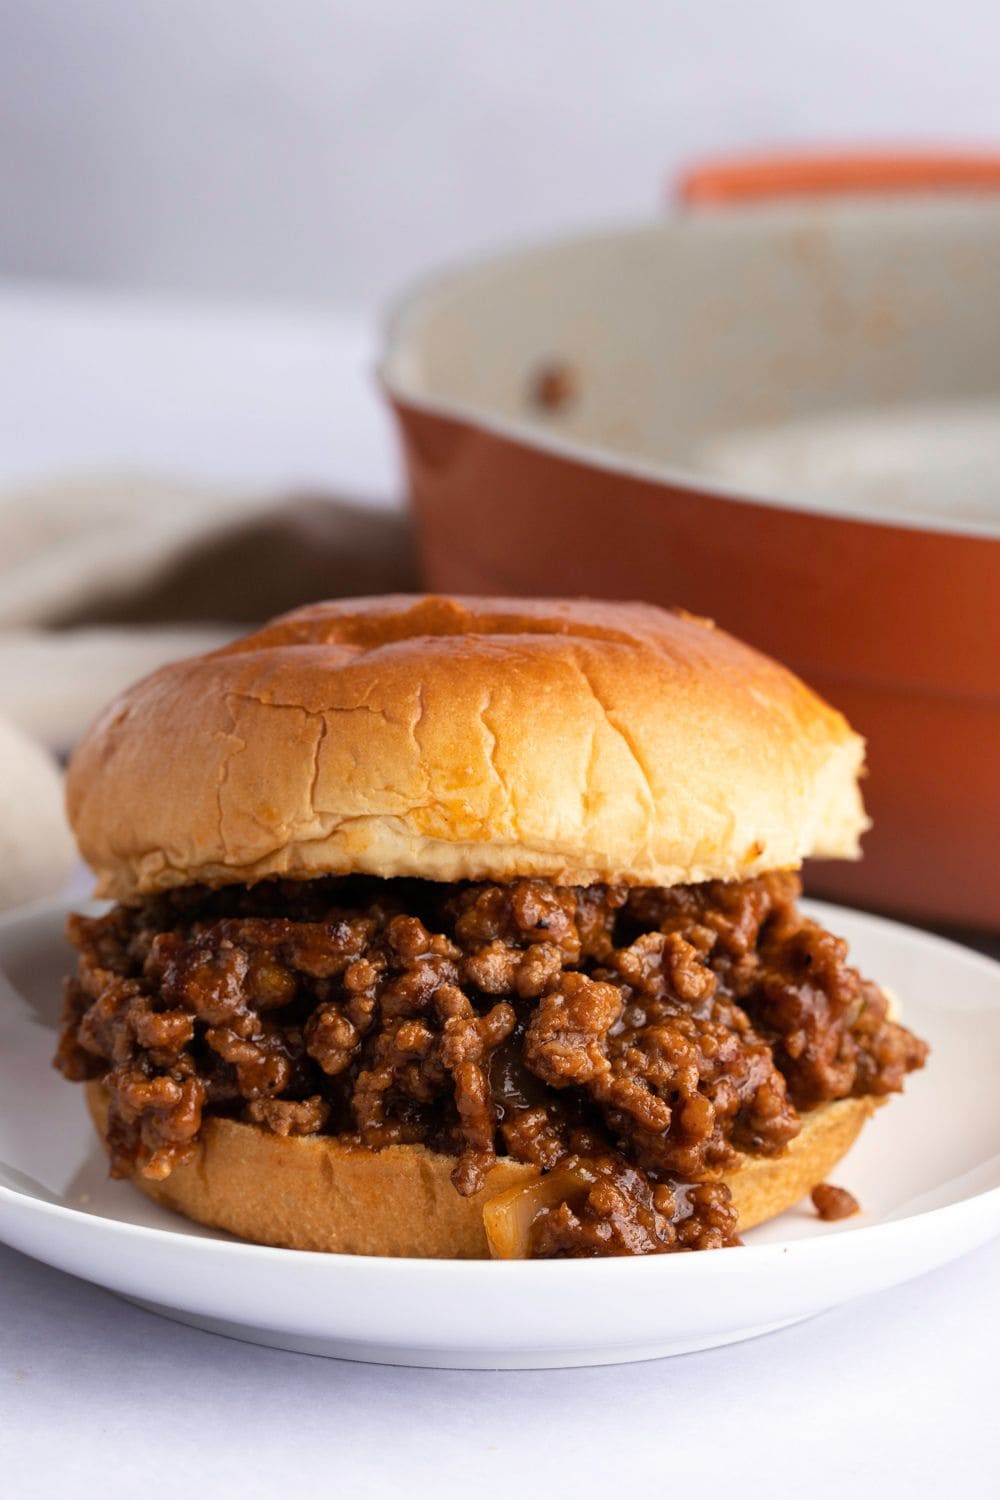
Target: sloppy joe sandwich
(458, 927)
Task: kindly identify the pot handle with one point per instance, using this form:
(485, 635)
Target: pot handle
(752, 178)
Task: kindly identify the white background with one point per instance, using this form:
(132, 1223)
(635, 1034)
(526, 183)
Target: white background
(330, 149)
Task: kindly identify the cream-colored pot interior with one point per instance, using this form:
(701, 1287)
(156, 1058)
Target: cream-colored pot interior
(842, 356)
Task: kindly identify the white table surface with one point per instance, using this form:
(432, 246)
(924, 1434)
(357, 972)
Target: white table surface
(893, 1395)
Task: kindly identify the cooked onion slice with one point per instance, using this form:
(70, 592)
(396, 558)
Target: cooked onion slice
(510, 1216)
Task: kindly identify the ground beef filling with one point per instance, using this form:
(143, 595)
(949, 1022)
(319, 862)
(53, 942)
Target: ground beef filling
(637, 1040)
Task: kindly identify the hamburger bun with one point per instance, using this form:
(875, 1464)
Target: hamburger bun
(465, 739)
(458, 740)
(315, 1193)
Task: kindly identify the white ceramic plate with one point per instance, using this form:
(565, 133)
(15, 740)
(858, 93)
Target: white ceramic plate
(926, 1171)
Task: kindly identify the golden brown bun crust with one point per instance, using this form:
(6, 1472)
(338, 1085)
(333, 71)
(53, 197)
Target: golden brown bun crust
(313, 1193)
(463, 739)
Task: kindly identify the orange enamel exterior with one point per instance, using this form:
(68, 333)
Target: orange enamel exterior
(742, 179)
(921, 683)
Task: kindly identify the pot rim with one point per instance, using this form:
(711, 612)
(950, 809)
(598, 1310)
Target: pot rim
(400, 332)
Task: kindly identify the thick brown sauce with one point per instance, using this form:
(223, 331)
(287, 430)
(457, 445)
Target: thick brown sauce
(640, 1039)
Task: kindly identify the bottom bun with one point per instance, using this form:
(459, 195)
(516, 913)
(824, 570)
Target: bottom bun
(315, 1193)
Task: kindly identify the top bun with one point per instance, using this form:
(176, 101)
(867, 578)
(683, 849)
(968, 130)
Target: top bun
(466, 739)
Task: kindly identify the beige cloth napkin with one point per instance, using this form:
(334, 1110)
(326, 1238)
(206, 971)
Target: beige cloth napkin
(104, 578)
(36, 849)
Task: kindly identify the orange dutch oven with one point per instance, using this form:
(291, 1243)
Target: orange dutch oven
(780, 408)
